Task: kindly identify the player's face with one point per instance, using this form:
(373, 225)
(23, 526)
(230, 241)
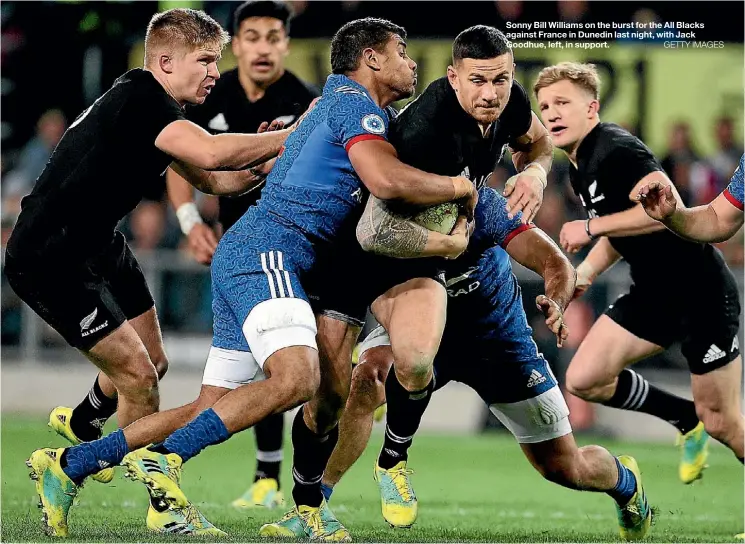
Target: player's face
(567, 111)
(195, 73)
(483, 86)
(260, 47)
(398, 70)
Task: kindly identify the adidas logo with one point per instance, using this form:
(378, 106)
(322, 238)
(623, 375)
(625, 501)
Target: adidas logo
(536, 378)
(103, 464)
(177, 528)
(713, 354)
(151, 466)
(62, 418)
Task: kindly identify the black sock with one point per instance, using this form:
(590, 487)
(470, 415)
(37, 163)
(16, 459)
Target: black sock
(89, 417)
(635, 393)
(269, 454)
(405, 411)
(311, 453)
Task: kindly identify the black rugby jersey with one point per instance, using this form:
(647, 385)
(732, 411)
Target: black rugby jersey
(434, 133)
(610, 162)
(228, 109)
(98, 172)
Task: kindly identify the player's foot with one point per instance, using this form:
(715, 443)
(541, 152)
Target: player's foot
(635, 518)
(264, 492)
(180, 521)
(160, 473)
(290, 525)
(695, 446)
(59, 420)
(397, 497)
(55, 489)
(741, 536)
(317, 524)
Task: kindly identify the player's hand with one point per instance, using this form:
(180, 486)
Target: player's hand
(270, 127)
(524, 193)
(658, 200)
(202, 243)
(468, 203)
(459, 237)
(573, 236)
(554, 318)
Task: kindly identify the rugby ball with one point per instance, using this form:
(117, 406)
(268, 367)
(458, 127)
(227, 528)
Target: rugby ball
(439, 218)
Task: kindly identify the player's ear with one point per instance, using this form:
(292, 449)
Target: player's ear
(165, 63)
(371, 59)
(593, 108)
(453, 77)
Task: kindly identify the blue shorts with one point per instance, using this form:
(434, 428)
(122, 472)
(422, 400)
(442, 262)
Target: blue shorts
(258, 300)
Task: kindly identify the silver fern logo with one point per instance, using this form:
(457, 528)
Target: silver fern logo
(88, 320)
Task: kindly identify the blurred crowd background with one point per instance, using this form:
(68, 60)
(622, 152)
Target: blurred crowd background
(57, 57)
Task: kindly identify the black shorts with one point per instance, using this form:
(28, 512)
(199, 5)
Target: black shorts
(84, 302)
(703, 314)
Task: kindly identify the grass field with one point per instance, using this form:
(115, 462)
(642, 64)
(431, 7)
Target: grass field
(469, 488)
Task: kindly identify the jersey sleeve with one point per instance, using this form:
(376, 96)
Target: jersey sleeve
(625, 166)
(492, 221)
(355, 118)
(734, 191)
(517, 115)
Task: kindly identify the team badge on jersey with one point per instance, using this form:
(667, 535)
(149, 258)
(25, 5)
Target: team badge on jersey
(373, 123)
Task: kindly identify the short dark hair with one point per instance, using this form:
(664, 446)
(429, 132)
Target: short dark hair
(480, 42)
(262, 8)
(354, 37)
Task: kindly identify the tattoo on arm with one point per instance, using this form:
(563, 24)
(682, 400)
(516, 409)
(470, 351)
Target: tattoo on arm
(382, 232)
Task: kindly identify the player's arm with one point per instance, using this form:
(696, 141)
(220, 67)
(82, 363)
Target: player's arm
(376, 162)
(189, 143)
(632, 222)
(716, 222)
(533, 249)
(601, 258)
(382, 232)
(202, 240)
(224, 183)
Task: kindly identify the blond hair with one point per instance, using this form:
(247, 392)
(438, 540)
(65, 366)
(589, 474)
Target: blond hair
(182, 28)
(583, 75)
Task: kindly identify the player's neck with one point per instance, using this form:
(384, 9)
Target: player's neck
(164, 83)
(571, 151)
(256, 90)
(380, 94)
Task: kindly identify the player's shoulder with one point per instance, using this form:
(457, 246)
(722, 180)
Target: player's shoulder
(347, 102)
(613, 144)
(436, 102)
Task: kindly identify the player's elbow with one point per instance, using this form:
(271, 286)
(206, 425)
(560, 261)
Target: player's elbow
(382, 185)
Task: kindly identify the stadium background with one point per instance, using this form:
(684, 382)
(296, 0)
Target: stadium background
(57, 57)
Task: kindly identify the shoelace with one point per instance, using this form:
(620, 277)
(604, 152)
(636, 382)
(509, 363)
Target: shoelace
(401, 481)
(314, 522)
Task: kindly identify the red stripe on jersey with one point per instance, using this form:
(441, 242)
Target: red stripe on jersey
(732, 200)
(518, 230)
(362, 138)
(281, 150)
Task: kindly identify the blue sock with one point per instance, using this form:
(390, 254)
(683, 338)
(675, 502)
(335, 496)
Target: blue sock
(90, 457)
(327, 490)
(205, 430)
(625, 486)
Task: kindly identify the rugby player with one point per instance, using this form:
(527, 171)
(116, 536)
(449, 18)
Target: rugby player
(682, 291)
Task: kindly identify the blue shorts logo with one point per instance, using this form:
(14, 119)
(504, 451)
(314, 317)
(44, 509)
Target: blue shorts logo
(373, 123)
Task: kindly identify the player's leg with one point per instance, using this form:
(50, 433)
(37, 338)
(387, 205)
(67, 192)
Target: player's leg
(366, 394)
(127, 284)
(598, 371)
(415, 342)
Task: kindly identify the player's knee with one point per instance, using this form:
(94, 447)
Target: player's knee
(368, 387)
(719, 423)
(139, 380)
(580, 384)
(297, 379)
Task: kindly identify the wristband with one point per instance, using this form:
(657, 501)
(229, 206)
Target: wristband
(458, 187)
(188, 216)
(587, 228)
(544, 178)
